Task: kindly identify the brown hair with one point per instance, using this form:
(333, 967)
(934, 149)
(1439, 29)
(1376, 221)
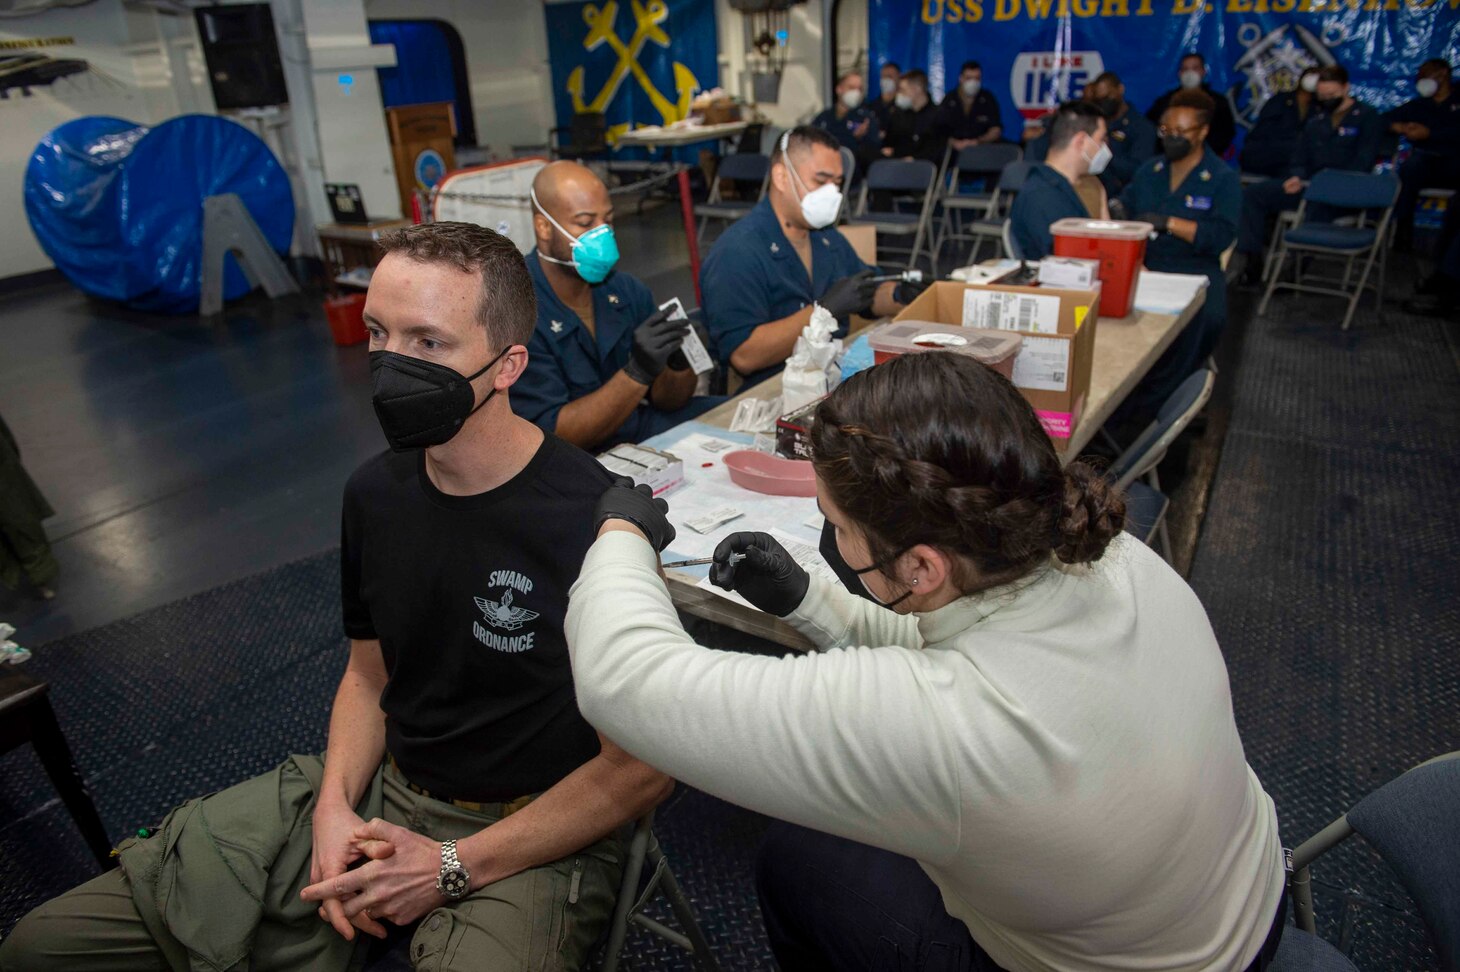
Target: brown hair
(508, 304)
(937, 448)
(1195, 99)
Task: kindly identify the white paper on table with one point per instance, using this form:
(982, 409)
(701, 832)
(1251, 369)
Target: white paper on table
(1167, 293)
(709, 487)
(801, 551)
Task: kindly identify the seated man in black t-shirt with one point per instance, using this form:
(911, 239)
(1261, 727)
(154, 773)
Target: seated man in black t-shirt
(455, 727)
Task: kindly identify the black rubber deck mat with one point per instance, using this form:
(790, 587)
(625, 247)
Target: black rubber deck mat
(1327, 565)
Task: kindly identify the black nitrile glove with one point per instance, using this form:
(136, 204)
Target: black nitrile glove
(677, 360)
(637, 505)
(655, 341)
(1158, 220)
(767, 577)
(1118, 210)
(850, 295)
(907, 291)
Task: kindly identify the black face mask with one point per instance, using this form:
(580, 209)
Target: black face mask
(420, 403)
(1329, 105)
(1176, 147)
(850, 576)
(1109, 107)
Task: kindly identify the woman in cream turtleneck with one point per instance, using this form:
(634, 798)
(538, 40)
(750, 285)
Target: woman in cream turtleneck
(1015, 747)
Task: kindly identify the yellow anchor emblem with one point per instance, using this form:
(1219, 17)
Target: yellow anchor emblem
(647, 18)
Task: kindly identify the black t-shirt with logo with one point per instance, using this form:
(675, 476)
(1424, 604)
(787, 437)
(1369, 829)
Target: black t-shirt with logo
(467, 595)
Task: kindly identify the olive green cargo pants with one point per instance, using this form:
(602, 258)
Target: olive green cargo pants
(216, 889)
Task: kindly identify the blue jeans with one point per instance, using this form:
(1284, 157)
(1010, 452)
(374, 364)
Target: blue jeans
(832, 904)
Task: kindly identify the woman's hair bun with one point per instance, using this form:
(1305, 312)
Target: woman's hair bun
(1093, 513)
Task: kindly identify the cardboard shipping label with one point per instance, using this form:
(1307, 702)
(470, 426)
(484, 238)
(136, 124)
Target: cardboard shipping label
(1043, 364)
(1007, 311)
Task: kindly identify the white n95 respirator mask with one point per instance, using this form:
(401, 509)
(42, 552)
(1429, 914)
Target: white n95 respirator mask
(819, 207)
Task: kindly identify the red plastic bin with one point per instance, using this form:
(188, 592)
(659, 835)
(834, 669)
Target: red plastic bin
(346, 316)
(1119, 245)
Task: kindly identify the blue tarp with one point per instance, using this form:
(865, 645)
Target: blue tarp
(119, 208)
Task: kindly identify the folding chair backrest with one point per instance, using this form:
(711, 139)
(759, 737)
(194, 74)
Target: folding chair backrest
(1013, 176)
(1414, 823)
(1174, 415)
(849, 170)
(1011, 249)
(589, 130)
(1352, 190)
(976, 159)
(901, 175)
(744, 167)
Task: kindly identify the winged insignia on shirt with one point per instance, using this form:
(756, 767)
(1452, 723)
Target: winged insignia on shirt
(503, 614)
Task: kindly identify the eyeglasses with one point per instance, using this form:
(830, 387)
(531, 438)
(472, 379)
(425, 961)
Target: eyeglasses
(1163, 131)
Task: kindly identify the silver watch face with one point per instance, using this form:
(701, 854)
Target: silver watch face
(454, 883)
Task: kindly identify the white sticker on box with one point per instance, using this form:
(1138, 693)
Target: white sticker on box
(1043, 364)
(1003, 310)
(694, 349)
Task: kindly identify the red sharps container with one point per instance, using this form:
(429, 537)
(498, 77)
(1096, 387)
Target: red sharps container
(1120, 246)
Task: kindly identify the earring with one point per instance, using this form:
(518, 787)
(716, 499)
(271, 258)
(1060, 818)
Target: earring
(915, 582)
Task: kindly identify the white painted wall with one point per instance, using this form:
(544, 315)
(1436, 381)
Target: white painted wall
(147, 67)
(801, 95)
(506, 59)
(851, 36)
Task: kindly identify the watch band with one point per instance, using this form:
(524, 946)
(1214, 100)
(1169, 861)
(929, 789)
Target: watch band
(449, 860)
(454, 882)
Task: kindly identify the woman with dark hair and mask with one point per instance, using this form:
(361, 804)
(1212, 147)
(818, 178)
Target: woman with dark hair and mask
(1014, 747)
(1194, 201)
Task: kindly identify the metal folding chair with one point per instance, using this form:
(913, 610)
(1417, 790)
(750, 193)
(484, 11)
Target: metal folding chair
(849, 176)
(972, 162)
(644, 849)
(741, 168)
(1360, 192)
(1006, 236)
(992, 227)
(1412, 823)
(1134, 470)
(914, 178)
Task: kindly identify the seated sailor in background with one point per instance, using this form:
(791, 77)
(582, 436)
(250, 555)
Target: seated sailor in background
(1132, 139)
(767, 270)
(1431, 122)
(1194, 200)
(604, 364)
(851, 122)
(1077, 147)
(1269, 147)
(915, 130)
(1191, 75)
(1342, 134)
(969, 114)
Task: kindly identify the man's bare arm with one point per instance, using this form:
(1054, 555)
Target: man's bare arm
(770, 343)
(589, 420)
(589, 803)
(673, 389)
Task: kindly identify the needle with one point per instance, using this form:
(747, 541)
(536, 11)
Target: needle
(735, 558)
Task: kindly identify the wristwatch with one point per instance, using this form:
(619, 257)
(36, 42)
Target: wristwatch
(454, 882)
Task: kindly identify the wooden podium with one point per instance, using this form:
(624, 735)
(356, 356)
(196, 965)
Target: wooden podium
(422, 139)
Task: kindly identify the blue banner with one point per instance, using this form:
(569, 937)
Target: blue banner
(1037, 53)
(639, 64)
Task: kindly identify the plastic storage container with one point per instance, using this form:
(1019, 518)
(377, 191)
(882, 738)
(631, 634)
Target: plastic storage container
(997, 349)
(1120, 247)
(346, 316)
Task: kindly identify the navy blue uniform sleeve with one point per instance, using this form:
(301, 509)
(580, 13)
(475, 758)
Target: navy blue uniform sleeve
(1411, 111)
(542, 391)
(1136, 197)
(847, 261)
(1216, 230)
(736, 297)
(1029, 231)
(356, 615)
(824, 119)
(1302, 157)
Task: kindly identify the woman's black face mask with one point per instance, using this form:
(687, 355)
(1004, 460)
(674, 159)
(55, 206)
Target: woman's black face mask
(421, 403)
(850, 576)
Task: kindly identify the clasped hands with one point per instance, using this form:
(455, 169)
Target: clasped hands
(397, 882)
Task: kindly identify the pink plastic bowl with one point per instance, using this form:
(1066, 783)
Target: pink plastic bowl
(765, 473)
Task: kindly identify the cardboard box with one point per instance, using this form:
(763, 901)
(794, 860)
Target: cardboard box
(1058, 326)
(1072, 273)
